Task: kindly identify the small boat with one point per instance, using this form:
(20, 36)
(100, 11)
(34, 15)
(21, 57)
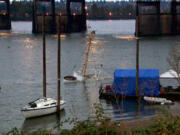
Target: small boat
(77, 77)
(170, 74)
(40, 107)
(80, 76)
(157, 100)
(69, 79)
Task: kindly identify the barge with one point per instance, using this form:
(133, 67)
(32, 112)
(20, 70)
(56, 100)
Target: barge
(124, 86)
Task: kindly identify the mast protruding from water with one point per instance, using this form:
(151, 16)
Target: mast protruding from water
(87, 54)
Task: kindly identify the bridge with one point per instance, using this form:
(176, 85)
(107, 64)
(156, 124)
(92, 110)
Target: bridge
(5, 21)
(152, 21)
(69, 22)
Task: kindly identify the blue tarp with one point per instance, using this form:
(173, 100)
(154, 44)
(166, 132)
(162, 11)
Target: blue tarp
(125, 82)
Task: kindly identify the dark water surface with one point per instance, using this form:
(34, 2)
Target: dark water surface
(114, 47)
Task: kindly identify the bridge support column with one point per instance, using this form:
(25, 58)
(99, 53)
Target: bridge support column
(50, 18)
(5, 21)
(76, 23)
(174, 16)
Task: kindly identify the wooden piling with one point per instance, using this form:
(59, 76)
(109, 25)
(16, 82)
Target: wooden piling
(59, 67)
(44, 55)
(137, 67)
(137, 55)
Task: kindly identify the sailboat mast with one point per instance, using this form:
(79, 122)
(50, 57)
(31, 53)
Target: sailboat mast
(87, 55)
(44, 55)
(58, 67)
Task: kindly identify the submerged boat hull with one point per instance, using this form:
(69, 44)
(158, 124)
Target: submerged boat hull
(30, 113)
(77, 77)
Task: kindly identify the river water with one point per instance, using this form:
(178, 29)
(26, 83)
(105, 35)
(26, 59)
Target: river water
(113, 47)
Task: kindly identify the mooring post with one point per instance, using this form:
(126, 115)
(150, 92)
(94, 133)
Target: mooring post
(44, 55)
(137, 51)
(59, 67)
(137, 67)
(8, 13)
(174, 17)
(137, 18)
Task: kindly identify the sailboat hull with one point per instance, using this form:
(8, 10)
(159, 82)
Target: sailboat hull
(30, 113)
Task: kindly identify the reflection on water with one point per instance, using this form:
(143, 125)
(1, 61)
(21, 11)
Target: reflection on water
(129, 109)
(4, 35)
(21, 71)
(45, 122)
(62, 36)
(97, 42)
(126, 37)
(28, 43)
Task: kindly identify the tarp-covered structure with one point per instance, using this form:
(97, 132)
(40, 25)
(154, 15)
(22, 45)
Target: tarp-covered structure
(125, 82)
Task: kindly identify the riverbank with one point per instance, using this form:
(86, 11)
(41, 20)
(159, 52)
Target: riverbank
(165, 124)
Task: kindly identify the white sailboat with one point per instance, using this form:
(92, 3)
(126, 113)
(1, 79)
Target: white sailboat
(44, 106)
(41, 106)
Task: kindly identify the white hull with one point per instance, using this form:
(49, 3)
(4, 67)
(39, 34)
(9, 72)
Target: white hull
(157, 100)
(40, 111)
(170, 74)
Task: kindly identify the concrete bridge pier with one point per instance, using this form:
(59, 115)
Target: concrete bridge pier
(5, 21)
(50, 18)
(152, 22)
(76, 23)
